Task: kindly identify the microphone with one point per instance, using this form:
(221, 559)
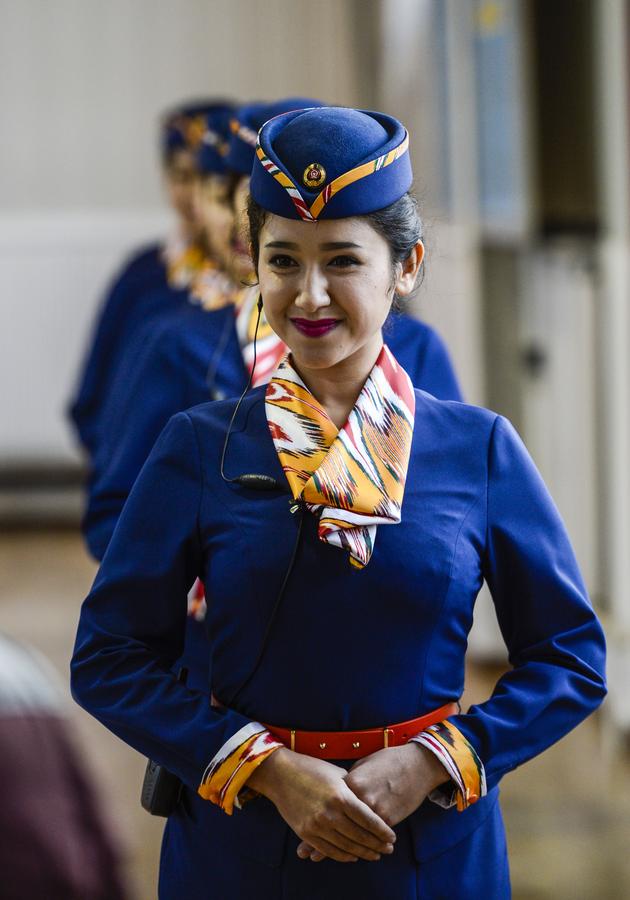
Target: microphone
(258, 482)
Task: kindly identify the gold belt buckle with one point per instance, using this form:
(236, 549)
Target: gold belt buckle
(386, 733)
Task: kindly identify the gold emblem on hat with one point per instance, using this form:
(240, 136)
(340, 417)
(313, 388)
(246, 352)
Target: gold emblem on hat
(314, 175)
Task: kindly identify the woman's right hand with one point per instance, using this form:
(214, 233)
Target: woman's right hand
(312, 797)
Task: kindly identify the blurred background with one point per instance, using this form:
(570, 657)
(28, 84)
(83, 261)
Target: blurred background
(518, 117)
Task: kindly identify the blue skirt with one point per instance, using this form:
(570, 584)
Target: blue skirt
(439, 855)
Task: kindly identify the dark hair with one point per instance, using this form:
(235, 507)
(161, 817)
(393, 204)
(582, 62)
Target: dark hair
(400, 224)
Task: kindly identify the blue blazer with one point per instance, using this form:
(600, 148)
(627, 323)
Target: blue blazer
(187, 358)
(348, 649)
(145, 271)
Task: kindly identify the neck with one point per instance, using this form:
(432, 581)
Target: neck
(186, 231)
(338, 387)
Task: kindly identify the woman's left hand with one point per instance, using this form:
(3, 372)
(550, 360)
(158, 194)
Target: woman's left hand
(393, 783)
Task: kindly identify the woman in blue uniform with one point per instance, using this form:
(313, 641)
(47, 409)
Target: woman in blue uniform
(342, 523)
(151, 276)
(208, 136)
(199, 354)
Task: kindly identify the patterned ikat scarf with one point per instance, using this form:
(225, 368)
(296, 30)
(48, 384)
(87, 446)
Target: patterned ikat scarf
(183, 259)
(212, 289)
(269, 349)
(353, 478)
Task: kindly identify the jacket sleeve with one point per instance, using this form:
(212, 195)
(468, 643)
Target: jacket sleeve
(155, 393)
(131, 627)
(555, 642)
(85, 407)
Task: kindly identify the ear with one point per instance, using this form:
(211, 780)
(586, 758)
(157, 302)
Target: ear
(409, 269)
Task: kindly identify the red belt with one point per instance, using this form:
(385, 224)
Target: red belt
(356, 744)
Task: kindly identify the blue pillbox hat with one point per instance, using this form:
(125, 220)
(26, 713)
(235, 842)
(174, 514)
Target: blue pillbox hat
(212, 139)
(330, 163)
(182, 127)
(246, 123)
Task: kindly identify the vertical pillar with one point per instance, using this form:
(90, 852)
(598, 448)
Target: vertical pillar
(614, 338)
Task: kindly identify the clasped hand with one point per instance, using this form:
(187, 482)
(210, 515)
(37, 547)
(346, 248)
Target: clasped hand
(348, 815)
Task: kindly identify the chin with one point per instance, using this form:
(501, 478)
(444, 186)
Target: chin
(316, 358)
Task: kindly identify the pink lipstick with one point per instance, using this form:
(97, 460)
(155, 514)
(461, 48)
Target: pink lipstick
(315, 327)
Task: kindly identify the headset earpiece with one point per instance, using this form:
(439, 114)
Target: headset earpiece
(260, 303)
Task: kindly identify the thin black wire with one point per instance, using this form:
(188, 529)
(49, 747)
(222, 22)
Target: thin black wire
(217, 356)
(274, 612)
(240, 399)
(297, 507)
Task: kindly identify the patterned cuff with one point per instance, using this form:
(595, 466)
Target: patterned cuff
(234, 763)
(197, 601)
(458, 756)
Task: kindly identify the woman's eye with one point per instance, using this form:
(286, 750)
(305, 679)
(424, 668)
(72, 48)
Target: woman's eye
(282, 262)
(344, 262)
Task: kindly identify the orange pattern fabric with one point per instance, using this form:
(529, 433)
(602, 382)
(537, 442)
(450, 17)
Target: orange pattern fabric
(460, 760)
(183, 259)
(211, 288)
(268, 349)
(352, 478)
(228, 772)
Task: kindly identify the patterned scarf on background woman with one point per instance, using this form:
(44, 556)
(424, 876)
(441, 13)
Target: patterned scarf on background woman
(269, 348)
(182, 259)
(352, 478)
(211, 288)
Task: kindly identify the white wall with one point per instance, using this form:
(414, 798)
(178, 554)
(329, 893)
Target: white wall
(81, 85)
(427, 79)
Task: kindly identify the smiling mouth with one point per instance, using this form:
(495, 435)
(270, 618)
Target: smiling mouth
(315, 328)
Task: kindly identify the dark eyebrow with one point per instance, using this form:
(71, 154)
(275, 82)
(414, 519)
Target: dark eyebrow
(339, 245)
(332, 245)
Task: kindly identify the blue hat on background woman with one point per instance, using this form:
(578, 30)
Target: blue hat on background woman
(176, 124)
(246, 123)
(209, 136)
(330, 163)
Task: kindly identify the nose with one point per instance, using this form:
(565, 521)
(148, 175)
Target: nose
(313, 290)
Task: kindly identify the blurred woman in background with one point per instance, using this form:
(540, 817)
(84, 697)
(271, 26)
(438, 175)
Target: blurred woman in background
(152, 277)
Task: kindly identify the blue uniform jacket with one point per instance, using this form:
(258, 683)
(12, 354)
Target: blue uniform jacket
(348, 650)
(188, 358)
(144, 272)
